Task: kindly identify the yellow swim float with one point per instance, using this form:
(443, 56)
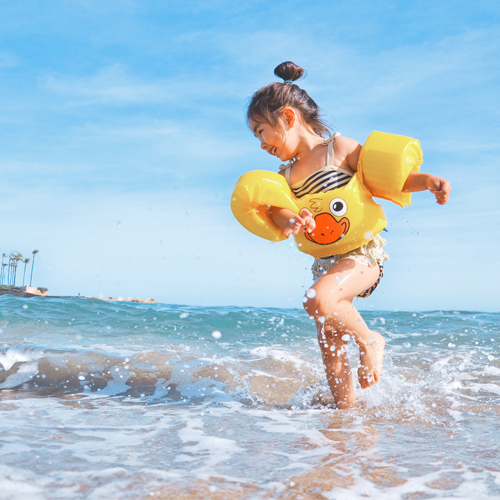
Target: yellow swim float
(347, 217)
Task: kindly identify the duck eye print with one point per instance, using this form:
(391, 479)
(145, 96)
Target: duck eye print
(338, 206)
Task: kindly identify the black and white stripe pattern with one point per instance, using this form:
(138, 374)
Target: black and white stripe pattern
(325, 179)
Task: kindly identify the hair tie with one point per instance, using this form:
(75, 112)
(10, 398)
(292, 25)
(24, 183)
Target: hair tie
(289, 81)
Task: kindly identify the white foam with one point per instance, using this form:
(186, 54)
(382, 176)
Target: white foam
(494, 388)
(440, 364)
(25, 373)
(457, 415)
(11, 356)
(492, 369)
(14, 485)
(414, 486)
(218, 449)
(277, 354)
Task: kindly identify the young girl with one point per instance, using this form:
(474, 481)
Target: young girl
(288, 124)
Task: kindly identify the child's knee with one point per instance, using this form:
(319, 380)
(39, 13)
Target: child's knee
(319, 304)
(312, 303)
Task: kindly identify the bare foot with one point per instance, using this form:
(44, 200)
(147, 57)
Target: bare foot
(371, 355)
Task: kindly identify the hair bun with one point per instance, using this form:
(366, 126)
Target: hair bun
(289, 71)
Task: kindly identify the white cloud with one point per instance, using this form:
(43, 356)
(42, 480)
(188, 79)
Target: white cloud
(115, 85)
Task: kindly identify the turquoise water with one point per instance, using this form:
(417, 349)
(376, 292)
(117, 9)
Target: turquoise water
(128, 401)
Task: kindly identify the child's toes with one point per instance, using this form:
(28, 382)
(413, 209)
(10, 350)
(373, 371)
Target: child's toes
(367, 379)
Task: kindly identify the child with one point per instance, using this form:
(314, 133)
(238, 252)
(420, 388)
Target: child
(288, 124)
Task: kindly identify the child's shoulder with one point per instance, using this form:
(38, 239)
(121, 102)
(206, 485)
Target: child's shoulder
(347, 152)
(345, 144)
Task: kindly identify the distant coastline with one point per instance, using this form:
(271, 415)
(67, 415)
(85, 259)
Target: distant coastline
(31, 291)
(24, 291)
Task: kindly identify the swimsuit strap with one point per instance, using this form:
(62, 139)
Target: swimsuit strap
(329, 161)
(330, 142)
(287, 169)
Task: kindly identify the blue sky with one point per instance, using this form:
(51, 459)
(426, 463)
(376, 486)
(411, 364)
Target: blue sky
(122, 134)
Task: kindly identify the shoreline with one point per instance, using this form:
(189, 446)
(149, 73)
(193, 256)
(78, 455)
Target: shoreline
(29, 292)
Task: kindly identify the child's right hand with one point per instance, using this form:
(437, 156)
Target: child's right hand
(292, 223)
(297, 223)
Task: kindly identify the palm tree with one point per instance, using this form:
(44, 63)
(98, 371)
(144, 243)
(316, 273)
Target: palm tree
(25, 264)
(3, 268)
(11, 272)
(11, 268)
(2, 273)
(34, 252)
(16, 258)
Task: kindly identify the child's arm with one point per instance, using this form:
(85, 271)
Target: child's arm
(422, 182)
(292, 223)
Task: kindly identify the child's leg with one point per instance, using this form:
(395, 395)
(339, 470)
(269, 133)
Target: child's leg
(332, 305)
(338, 370)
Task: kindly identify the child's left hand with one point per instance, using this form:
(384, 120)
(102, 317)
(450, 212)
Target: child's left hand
(440, 188)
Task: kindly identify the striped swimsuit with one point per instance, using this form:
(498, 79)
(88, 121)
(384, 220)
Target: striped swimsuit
(325, 179)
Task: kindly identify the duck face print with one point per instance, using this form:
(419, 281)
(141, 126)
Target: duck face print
(328, 228)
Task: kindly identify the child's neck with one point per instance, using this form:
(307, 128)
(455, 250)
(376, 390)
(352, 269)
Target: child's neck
(308, 146)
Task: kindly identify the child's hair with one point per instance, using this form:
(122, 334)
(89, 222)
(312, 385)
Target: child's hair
(268, 102)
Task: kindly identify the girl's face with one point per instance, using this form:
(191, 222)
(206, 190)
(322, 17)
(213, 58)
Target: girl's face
(276, 140)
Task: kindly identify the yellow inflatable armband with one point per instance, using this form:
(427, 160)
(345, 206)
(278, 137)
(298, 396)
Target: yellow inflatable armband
(253, 194)
(385, 162)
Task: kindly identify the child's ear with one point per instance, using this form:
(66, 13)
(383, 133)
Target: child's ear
(289, 116)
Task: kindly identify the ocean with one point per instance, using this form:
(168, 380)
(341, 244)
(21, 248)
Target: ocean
(109, 400)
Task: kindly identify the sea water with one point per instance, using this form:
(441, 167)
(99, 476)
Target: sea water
(108, 400)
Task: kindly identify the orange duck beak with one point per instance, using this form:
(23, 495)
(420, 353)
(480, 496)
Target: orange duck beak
(328, 230)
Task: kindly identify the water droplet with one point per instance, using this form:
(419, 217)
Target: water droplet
(311, 293)
(346, 337)
(183, 315)
(216, 334)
